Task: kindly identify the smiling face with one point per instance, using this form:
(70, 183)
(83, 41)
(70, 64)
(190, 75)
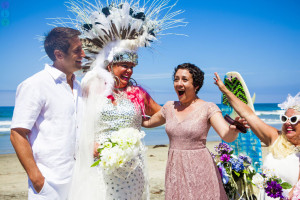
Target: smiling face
(123, 71)
(292, 130)
(72, 60)
(183, 85)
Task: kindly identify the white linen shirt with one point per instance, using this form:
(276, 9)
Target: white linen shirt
(46, 105)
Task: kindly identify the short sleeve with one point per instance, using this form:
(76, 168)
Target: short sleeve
(28, 106)
(212, 109)
(164, 109)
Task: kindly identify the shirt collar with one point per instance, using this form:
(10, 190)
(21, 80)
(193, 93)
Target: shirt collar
(56, 73)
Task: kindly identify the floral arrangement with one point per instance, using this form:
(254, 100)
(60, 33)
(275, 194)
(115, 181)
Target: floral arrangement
(271, 183)
(123, 145)
(236, 172)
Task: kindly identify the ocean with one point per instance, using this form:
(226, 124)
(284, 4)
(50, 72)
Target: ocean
(268, 112)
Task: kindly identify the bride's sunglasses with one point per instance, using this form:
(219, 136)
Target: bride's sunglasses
(293, 119)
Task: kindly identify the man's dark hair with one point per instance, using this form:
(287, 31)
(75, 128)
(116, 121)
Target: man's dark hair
(196, 72)
(59, 39)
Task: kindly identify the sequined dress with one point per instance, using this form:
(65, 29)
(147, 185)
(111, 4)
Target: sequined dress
(125, 183)
(191, 172)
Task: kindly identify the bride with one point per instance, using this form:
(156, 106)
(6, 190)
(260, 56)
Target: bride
(112, 35)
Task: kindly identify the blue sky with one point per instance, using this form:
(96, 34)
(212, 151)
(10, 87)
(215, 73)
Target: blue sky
(259, 39)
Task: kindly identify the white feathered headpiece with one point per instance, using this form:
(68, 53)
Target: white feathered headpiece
(119, 27)
(291, 102)
(114, 31)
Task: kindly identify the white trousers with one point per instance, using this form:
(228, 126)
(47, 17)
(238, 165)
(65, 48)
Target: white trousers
(50, 191)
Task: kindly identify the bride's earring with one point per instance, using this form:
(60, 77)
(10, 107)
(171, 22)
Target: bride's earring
(117, 81)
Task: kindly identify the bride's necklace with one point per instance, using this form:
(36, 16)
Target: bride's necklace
(119, 93)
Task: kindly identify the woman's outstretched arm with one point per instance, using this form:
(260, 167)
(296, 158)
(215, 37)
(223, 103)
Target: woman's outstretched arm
(156, 120)
(267, 134)
(227, 132)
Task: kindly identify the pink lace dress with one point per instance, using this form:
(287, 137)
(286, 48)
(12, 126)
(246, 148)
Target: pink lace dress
(191, 172)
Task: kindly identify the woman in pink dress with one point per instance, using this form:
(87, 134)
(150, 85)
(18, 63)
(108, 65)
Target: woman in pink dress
(191, 172)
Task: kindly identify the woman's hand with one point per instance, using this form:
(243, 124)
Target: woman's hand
(96, 153)
(219, 82)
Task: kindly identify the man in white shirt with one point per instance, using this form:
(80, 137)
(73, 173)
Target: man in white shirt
(44, 124)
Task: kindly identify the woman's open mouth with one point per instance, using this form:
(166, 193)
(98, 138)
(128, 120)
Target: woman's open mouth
(289, 129)
(125, 78)
(180, 93)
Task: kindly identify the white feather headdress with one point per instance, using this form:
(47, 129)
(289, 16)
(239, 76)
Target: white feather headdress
(119, 26)
(113, 32)
(291, 102)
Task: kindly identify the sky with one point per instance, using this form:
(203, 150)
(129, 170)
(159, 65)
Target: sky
(260, 39)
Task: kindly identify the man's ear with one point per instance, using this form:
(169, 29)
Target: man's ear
(58, 54)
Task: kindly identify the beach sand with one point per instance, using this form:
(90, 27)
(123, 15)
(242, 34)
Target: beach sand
(13, 179)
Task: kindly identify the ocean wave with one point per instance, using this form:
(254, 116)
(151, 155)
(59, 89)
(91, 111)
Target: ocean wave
(4, 130)
(272, 112)
(5, 123)
(272, 121)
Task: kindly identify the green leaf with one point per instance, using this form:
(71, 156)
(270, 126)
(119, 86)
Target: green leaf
(286, 185)
(96, 163)
(236, 173)
(279, 181)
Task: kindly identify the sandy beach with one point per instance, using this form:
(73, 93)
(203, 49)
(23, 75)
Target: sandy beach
(13, 179)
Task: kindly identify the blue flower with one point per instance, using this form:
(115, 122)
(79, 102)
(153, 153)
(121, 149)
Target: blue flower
(224, 175)
(245, 158)
(237, 164)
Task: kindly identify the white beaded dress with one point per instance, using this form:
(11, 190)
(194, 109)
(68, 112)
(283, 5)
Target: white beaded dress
(128, 182)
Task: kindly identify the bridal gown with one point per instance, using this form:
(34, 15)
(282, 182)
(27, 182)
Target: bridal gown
(128, 182)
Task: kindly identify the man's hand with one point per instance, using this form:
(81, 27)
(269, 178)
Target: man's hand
(38, 183)
(22, 147)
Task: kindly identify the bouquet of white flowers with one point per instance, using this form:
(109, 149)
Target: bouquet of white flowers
(123, 145)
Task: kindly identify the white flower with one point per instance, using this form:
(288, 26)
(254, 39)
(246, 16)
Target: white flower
(269, 173)
(107, 145)
(258, 180)
(127, 146)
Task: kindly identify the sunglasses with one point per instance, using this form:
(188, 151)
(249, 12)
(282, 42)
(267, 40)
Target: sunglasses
(293, 119)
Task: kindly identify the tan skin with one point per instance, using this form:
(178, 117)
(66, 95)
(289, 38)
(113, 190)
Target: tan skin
(267, 134)
(123, 71)
(188, 102)
(67, 63)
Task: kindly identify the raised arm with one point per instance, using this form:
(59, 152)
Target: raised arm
(267, 134)
(227, 132)
(22, 147)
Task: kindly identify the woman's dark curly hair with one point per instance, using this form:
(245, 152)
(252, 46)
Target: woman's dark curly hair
(196, 72)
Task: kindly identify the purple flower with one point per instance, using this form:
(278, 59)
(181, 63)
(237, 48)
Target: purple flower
(245, 158)
(225, 158)
(223, 148)
(212, 155)
(274, 189)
